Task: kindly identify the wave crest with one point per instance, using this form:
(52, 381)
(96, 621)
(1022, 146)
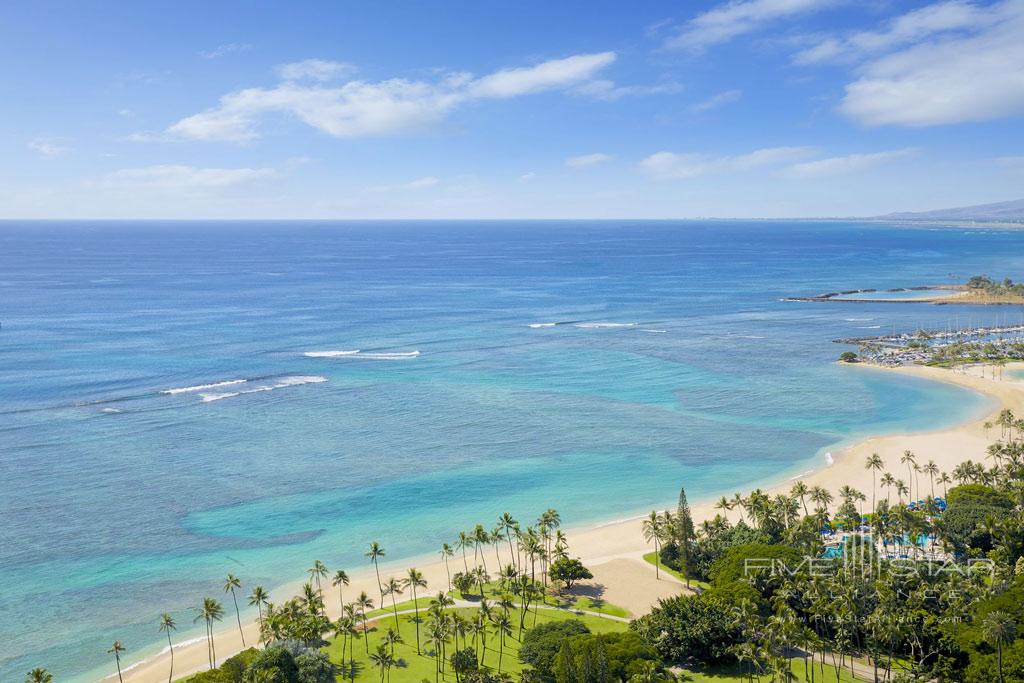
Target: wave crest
(283, 382)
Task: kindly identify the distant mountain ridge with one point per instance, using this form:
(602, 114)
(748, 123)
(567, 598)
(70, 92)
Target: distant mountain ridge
(1012, 211)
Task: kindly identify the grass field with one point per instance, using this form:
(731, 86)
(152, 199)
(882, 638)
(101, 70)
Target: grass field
(565, 601)
(694, 583)
(415, 667)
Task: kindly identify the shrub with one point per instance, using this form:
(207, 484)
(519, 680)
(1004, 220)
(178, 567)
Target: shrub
(581, 659)
(542, 643)
(278, 661)
(314, 667)
(690, 628)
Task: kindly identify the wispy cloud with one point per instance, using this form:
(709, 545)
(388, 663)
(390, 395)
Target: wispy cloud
(314, 70)
(716, 101)
(948, 62)
(527, 177)
(851, 163)
(584, 160)
(906, 29)
(610, 91)
(225, 49)
(48, 148)
(736, 18)
(361, 108)
(681, 166)
(180, 177)
(418, 184)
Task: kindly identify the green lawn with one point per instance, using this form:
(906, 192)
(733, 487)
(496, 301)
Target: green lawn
(566, 601)
(415, 667)
(734, 674)
(694, 583)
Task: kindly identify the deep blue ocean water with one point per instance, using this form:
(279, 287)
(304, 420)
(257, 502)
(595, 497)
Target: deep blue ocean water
(673, 362)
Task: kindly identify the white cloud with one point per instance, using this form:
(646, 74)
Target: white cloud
(675, 166)
(180, 177)
(944, 63)
(314, 70)
(906, 29)
(610, 91)
(225, 49)
(360, 108)
(48, 149)
(555, 73)
(527, 177)
(736, 18)
(584, 160)
(418, 184)
(716, 101)
(851, 163)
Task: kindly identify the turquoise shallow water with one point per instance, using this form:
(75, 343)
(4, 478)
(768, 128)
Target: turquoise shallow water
(593, 367)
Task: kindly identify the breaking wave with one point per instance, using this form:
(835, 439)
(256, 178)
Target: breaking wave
(201, 387)
(604, 326)
(360, 355)
(282, 383)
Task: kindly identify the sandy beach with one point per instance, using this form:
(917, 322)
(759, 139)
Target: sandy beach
(614, 550)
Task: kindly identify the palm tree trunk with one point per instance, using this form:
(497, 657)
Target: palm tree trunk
(238, 616)
(170, 674)
(379, 586)
(117, 659)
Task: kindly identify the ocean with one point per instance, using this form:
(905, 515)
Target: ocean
(181, 400)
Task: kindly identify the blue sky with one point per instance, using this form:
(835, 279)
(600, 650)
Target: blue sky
(748, 108)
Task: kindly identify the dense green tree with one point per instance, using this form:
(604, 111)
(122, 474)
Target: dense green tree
(696, 628)
(569, 571)
(542, 643)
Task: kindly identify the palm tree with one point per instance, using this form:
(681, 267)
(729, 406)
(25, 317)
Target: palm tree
(944, 479)
(999, 628)
(888, 481)
(931, 469)
(447, 552)
(258, 598)
(230, 584)
(822, 497)
(210, 611)
(374, 553)
(875, 464)
(724, 505)
(393, 588)
(464, 542)
(117, 648)
(339, 581)
(908, 459)
(39, 675)
(800, 490)
(383, 659)
(504, 628)
(507, 523)
(413, 580)
(654, 532)
(364, 602)
(166, 626)
(317, 572)
(392, 638)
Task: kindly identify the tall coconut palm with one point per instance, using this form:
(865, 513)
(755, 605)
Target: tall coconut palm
(821, 497)
(413, 580)
(374, 553)
(875, 464)
(117, 648)
(364, 602)
(800, 491)
(393, 588)
(931, 469)
(39, 675)
(446, 553)
(317, 573)
(166, 626)
(258, 599)
(944, 480)
(999, 629)
(230, 584)
(888, 481)
(653, 533)
(339, 581)
(724, 505)
(507, 523)
(464, 542)
(909, 459)
(480, 538)
(383, 659)
(503, 626)
(210, 611)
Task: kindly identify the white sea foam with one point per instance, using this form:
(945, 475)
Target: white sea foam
(604, 326)
(858, 320)
(655, 331)
(800, 476)
(330, 354)
(748, 336)
(281, 383)
(829, 460)
(201, 387)
(539, 325)
(111, 410)
(870, 327)
(360, 355)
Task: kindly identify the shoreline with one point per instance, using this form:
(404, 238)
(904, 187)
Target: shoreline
(621, 539)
